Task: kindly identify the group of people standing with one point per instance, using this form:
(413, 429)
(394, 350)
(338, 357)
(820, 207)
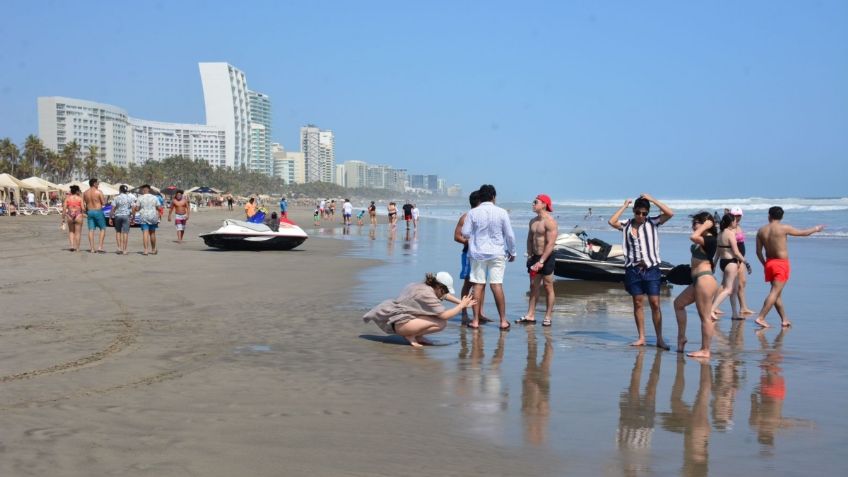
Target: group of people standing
(489, 244)
(146, 209)
(709, 248)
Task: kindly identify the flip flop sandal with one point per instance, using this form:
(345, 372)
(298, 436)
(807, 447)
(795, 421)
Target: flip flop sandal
(546, 322)
(524, 321)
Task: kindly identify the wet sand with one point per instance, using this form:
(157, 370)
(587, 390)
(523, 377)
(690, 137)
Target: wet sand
(204, 362)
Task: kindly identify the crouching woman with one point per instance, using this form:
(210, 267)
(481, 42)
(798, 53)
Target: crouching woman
(418, 311)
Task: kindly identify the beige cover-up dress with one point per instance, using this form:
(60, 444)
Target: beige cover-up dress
(417, 299)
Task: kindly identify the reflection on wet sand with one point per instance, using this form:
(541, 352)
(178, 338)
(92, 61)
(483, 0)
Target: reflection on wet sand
(767, 399)
(729, 374)
(636, 416)
(536, 389)
(692, 421)
(480, 386)
(580, 298)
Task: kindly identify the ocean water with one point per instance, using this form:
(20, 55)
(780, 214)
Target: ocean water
(768, 401)
(802, 213)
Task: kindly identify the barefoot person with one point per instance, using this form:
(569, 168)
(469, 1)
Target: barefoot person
(541, 238)
(72, 215)
(372, 213)
(120, 215)
(491, 243)
(147, 208)
(94, 202)
(732, 264)
(703, 287)
(642, 274)
(742, 277)
(771, 239)
(418, 311)
(180, 211)
(465, 262)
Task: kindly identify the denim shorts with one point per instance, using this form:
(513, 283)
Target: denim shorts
(642, 281)
(465, 270)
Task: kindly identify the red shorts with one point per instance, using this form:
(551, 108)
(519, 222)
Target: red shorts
(777, 269)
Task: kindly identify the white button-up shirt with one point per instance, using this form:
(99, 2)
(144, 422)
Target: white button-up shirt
(489, 232)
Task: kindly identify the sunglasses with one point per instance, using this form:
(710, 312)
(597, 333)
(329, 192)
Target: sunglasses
(535, 201)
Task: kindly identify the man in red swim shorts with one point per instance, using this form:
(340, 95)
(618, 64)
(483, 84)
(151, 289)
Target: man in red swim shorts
(771, 239)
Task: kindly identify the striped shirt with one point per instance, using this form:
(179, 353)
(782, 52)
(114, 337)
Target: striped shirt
(644, 248)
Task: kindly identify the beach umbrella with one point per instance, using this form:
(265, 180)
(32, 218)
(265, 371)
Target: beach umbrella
(203, 190)
(8, 183)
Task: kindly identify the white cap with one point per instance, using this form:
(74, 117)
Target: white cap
(446, 279)
(736, 211)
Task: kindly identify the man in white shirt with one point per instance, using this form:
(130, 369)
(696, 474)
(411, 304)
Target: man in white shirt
(31, 199)
(347, 211)
(491, 243)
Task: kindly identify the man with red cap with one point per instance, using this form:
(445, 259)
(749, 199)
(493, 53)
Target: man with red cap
(541, 238)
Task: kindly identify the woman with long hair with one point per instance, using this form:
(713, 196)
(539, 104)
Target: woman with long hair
(736, 212)
(730, 259)
(703, 288)
(72, 215)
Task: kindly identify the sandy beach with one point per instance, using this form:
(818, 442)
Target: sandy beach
(202, 362)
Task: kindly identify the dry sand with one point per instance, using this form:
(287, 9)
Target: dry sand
(203, 362)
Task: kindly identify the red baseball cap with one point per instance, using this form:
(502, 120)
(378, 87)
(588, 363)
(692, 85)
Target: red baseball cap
(547, 201)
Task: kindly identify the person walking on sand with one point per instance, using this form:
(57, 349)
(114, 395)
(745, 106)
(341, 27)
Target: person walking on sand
(180, 210)
(415, 215)
(120, 215)
(284, 207)
(642, 276)
(392, 208)
(347, 211)
(94, 202)
(418, 311)
(491, 243)
(147, 208)
(229, 201)
(407, 213)
(541, 238)
(72, 215)
(731, 262)
(703, 287)
(742, 277)
(250, 208)
(773, 253)
(372, 213)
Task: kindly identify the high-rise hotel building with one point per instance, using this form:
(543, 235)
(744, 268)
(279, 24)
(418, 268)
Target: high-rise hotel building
(317, 146)
(260, 158)
(228, 108)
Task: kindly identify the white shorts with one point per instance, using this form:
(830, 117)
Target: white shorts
(493, 268)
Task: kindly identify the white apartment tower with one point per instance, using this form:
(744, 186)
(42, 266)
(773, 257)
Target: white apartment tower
(260, 158)
(62, 120)
(317, 146)
(228, 107)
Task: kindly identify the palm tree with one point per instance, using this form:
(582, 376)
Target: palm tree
(9, 155)
(70, 159)
(34, 153)
(90, 163)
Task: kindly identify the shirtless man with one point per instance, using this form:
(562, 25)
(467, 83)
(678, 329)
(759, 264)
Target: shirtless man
(541, 238)
(771, 238)
(94, 201)
(180, 209)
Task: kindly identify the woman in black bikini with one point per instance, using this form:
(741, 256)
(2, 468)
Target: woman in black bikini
(730, 258)
(703, 287)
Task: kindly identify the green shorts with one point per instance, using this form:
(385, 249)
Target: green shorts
(96, 219)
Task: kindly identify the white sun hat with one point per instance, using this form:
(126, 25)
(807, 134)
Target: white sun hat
(446, 279)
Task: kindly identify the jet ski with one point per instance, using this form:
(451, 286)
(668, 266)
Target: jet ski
(241, 235)
(583, 258)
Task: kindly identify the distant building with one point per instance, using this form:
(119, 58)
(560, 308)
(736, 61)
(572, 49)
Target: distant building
(259, 159)
(122, 140)
(454, 191)
(62, 120)
(341, 179)
(317, 146)
(228, 107)
(288, 166)
(356, 174)
(428, 182)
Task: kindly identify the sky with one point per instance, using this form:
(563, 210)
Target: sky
(576, 99)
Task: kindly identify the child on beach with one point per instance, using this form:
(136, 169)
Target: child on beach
(316, 217)
(418, 311)
(359, 217)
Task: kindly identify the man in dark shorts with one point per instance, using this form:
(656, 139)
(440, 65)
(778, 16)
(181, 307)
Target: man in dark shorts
(541, 238)
(407, 213)
(642, 274)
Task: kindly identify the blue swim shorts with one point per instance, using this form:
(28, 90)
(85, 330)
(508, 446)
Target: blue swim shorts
(149, 227)
(465, 269)
(96, 219)
(642, 281)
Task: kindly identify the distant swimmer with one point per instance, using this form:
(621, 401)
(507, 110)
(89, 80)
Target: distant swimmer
(771, 239)
(588, 215)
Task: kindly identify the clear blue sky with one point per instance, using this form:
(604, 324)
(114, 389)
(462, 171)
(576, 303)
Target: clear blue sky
(577, 99)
